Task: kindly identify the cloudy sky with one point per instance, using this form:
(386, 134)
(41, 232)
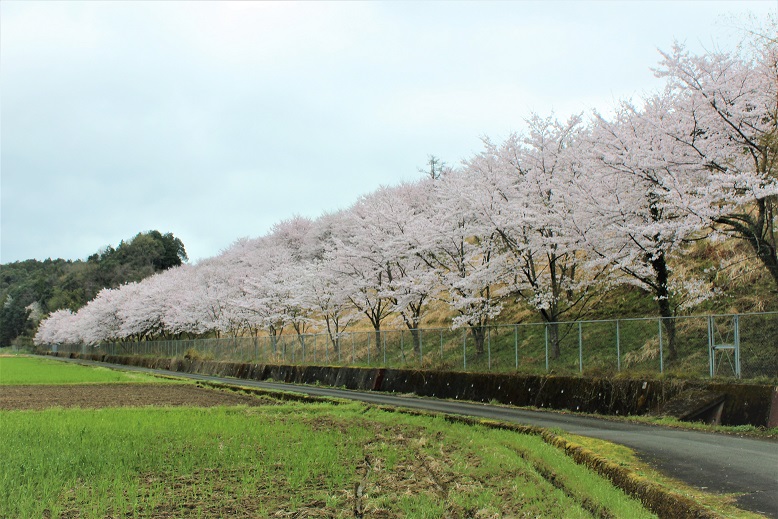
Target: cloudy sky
(214, 121)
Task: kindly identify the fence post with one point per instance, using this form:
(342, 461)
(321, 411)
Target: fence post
(516, 343)
(580, 349)
(384, 341)
(464, 349)
(368, 347)
(618, 347)
(736, 332)
(711, 352)
(421, 347)
(546, 330)
(661, 356)
(353, 349)
(441, 345)
(489, 348)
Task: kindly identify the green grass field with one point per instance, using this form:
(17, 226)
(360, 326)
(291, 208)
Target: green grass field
(304, 458)
(280, 459)
(27, 370)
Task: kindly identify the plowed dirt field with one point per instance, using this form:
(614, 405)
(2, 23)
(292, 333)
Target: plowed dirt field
(93, 396)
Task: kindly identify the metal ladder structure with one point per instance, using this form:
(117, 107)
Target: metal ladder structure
(720, 348)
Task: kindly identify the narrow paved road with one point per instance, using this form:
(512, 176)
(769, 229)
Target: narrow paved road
(714, 462)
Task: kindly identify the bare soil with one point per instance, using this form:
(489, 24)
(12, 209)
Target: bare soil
(94, 396)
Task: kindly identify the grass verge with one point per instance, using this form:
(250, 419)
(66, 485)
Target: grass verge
(737, 430)
(722, 505)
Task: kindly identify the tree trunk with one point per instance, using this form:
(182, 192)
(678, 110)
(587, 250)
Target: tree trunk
(553, 339)
(478, 332)
(767, 255)
(377, 335)
(334, 337)
(551, 318)
(758, 232)
(411, 320)
(273, 341)
(663, 301)
(416, 336)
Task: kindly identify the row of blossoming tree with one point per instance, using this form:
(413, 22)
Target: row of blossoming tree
(552, 217)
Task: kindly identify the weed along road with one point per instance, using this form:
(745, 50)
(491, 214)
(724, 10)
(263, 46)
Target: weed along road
(714, 462)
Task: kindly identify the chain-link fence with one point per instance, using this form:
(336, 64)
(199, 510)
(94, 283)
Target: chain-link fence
(738, 346)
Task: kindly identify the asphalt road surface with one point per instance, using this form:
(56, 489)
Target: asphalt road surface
(713, 462)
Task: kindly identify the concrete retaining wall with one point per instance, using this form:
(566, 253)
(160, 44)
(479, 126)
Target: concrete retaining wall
(745, 404)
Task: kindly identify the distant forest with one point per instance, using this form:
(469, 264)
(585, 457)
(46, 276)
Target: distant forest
(31, 289)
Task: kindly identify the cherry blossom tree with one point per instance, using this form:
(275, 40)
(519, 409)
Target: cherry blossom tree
(394, 214)
(60, 327)
(321, 290)
(524, 191)
(99, 320)
(208, 294)
(297, 235)
(143, 310)
(228, 274)
(259, 298)
(191, 308)
(295, 239)
(727, 117)
(460, 247)
(641, 190)
(416, 283)
(361, 262)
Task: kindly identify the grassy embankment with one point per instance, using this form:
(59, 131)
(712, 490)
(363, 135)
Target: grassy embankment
(629, 347)
(320, 459)
(740, 285)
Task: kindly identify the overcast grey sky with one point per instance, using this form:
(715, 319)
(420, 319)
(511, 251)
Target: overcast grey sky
(214, 121)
